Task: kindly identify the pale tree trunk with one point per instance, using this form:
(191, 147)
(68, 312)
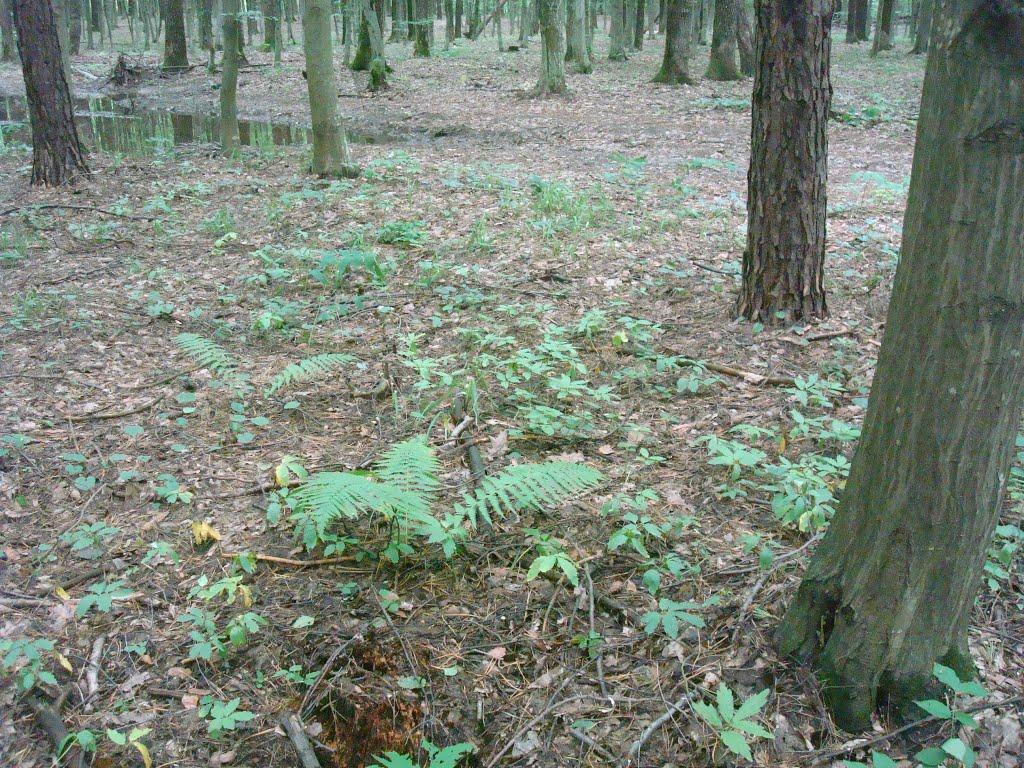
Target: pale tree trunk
(783, 264)
(744, 39)
(57, 154)
(890, 589)
(230, 31)
(678, 23)
(722, 64)
(331, 155)
(883, 28)
(399, 21)
(617, 31)
(924, 26)
(175, 50)
(552, 52)
(576, 49)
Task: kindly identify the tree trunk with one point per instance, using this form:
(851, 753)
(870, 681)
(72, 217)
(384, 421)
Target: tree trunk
(175, 50)
(271, 24)
(883, 28)
(552, 52)
(60, 17)
(331, 155)
(638, 25)
(399, 22)
(205, 10)
(230, 31)
(74, 9)
(890, 589)
(6, 31)
(863, 20)
(617, 32)
(576, 49)
(422, 25)
(675, 66)
(57, 155)
(458, 17)
(786, 185)
(745, 39)
(924, 26)
(722, 64)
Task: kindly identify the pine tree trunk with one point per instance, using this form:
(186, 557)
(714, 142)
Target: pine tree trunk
(57, 155)
(745, 39)
(422, 25)
(6, 31)
(552, 52)
(890, 589)
(675, 65)
(175, 50)
(722, 65)
(576, 49)
(617, 32)
(784, 260)
(230, 31)
(924, 26)
(883, 28)
(331, 155)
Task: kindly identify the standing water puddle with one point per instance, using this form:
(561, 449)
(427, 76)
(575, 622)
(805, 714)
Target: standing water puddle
(115, 125)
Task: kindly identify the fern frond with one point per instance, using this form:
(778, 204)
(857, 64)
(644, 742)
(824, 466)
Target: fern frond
(411, 466)
(209, 354)
(310, 369)
(527, 486)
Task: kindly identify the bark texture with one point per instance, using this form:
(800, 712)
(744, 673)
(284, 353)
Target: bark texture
(890, 589)
(331, 155)
(883, 28)
(783, 264)
(422, 24)
(552, 51)
(57, 155)
(924, 26)
(617, 31)
(231, 31)
(576, 48)
(675, 65)
(175, 49)
(6, 31)
(745, 40)
(722, 64)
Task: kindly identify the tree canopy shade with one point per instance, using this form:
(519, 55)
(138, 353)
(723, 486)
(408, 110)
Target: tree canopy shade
(786, 185)
(890, 589)
(57, 154)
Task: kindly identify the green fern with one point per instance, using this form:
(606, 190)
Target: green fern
(209, 354)
(527, 486)
(412, 466)
(310, 369)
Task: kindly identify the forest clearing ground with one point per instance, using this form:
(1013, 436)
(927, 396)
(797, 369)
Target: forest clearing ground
(597, 235)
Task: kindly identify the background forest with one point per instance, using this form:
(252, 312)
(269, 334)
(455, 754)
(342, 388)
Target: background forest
(418, 429)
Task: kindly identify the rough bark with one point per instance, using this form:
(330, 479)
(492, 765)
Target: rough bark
(331, 155)
(576, 49)
(724, 52)
(617, 31)
(271, 24)
(890, 589)
(74, 27)
(6, 31)
(175, 49)
(863, 20)
(924, 26)
(422, 25)
(552, 51)
(399, 22)
(883, 28)
(675, 65)
(745, 39)
(230, 31)
(57, 155)
(639, 24)
(458, 17)
(784, 261)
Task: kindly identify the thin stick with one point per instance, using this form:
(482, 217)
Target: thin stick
(580, 736)
(68, 206)
(293, 727)
(50, 721)
(93, 673)
(599, 658)
(294, 563)
(753, 378)
(536, 719)
(118, 414)
(650, 730)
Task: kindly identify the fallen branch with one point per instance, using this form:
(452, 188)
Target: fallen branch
(753, 378)
(536, 719)
(290, 561)
(476, 461)
(650, 730)
(293, 727)
(118, 414)
(50, 721)
(70, 207)
(93, 672)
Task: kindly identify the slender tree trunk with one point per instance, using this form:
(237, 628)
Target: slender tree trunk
(205, 11)
(331, 155)
(399, 22)
(57, 154)
(74, 9)
(890, 589)
(863, 20)
(883, 28)
(576, 49)
(6, 31)
(617, 32)
(230, 31)
(675, 66)
(378, 65)
(722, 65)
(175, 49)
(552, 55)
(745, 40)
(783, 264)
(924, 26)
(458, 17)
(638, 25)
(271, 24)
(422, 25)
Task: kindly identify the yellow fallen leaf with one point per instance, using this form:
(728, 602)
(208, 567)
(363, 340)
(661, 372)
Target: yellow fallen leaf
(246, 595)
(203, 532)
(144, 751)
(62, 593)
(63, 661)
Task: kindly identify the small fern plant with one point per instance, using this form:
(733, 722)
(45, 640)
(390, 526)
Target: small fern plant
(312, 368)
(208, 354)
(403, 490)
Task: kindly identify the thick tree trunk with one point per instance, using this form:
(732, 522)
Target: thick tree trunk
(745, 40)
(784, 261)
(722, 65)
(331, 155)
(422, 25)
(230, 31)
(57, 155)
(576, 49)
(890, 589)
(552, 52)
(271, 24)
(883, 28)
(6, 31)
(175, 49)
(617, 31)
(863, 20)
(675, 65)
(924, 26)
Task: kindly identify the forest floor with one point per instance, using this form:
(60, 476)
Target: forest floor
(570, 265)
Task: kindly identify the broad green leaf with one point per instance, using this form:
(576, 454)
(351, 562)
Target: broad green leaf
(736, 744)
(707, 713)
(725, 701)
(935, 708)
(752, 705)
